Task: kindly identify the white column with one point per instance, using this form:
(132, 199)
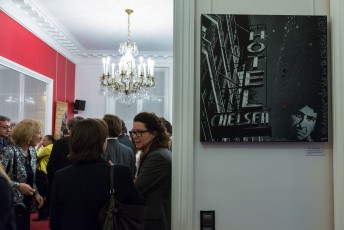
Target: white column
(337, 59)
(183, 115)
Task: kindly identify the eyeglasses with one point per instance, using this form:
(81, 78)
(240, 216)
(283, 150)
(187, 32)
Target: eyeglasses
(138, 133)
(5, 126)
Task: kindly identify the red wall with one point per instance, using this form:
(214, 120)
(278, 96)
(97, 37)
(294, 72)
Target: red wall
(21, 46)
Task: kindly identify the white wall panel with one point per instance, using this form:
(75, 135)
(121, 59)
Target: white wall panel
(87, 87)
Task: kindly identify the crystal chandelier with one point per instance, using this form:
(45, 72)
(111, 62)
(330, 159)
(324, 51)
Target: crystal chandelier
(127, 82)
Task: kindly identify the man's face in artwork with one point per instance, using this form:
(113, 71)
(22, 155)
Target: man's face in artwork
(303, 123)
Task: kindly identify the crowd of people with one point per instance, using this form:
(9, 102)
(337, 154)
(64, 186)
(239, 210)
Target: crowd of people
(68, 180)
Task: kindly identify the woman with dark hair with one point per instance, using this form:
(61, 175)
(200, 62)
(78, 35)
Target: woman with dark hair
(154, 173)
(19, 160)
(81, 189)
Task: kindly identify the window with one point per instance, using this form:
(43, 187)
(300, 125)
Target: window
(25, 94)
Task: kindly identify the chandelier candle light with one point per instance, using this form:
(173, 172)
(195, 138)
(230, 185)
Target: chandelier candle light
(127, 82)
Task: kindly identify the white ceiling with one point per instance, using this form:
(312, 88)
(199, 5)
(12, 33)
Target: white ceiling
(92, 28)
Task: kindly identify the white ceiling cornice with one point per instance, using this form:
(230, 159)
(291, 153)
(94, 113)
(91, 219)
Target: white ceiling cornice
(26, 15)
(34, 17)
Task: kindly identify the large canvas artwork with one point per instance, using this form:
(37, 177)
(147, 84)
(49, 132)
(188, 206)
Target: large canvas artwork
(263, 78)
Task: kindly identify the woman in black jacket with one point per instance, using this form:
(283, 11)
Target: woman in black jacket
(80, 190)
(154, 173)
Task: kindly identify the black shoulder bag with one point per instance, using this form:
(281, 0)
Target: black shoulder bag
(119, 216)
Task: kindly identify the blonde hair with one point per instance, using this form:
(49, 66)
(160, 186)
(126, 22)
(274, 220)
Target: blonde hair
(25, 130)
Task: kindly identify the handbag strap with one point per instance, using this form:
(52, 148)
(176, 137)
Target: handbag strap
(112, 202)
(112, 178)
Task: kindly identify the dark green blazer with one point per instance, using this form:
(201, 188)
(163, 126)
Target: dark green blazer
(154, 182)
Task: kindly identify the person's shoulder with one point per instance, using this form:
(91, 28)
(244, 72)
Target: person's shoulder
(125, 147)
(122, 136)
(49, 147)
(122, 170)
(63, 170)
(61, 143)
(121, 167)
(62, 140)
(124, 139)
(9, 149)
(161, 153)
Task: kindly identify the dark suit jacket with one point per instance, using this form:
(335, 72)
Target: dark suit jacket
(154, 182)
(81, 189)
(58, 157)
(120, 154)
(124, 139)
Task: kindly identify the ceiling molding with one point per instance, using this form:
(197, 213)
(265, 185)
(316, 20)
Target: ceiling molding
(27, 16)
(37, 19)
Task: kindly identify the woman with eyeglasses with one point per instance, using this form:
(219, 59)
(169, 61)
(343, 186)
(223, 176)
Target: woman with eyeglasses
(155, 168)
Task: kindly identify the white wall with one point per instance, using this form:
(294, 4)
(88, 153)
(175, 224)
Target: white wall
(87, 87)
(250, 186)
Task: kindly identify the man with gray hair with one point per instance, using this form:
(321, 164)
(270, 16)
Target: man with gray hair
(116, 152)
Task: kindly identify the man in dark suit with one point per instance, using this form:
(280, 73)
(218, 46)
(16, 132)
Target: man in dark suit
(116, 152)
(5, 131)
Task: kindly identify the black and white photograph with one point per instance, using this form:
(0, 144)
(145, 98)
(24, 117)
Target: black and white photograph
(263, 78)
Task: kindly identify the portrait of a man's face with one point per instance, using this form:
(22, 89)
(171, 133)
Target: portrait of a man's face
(303, 123)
